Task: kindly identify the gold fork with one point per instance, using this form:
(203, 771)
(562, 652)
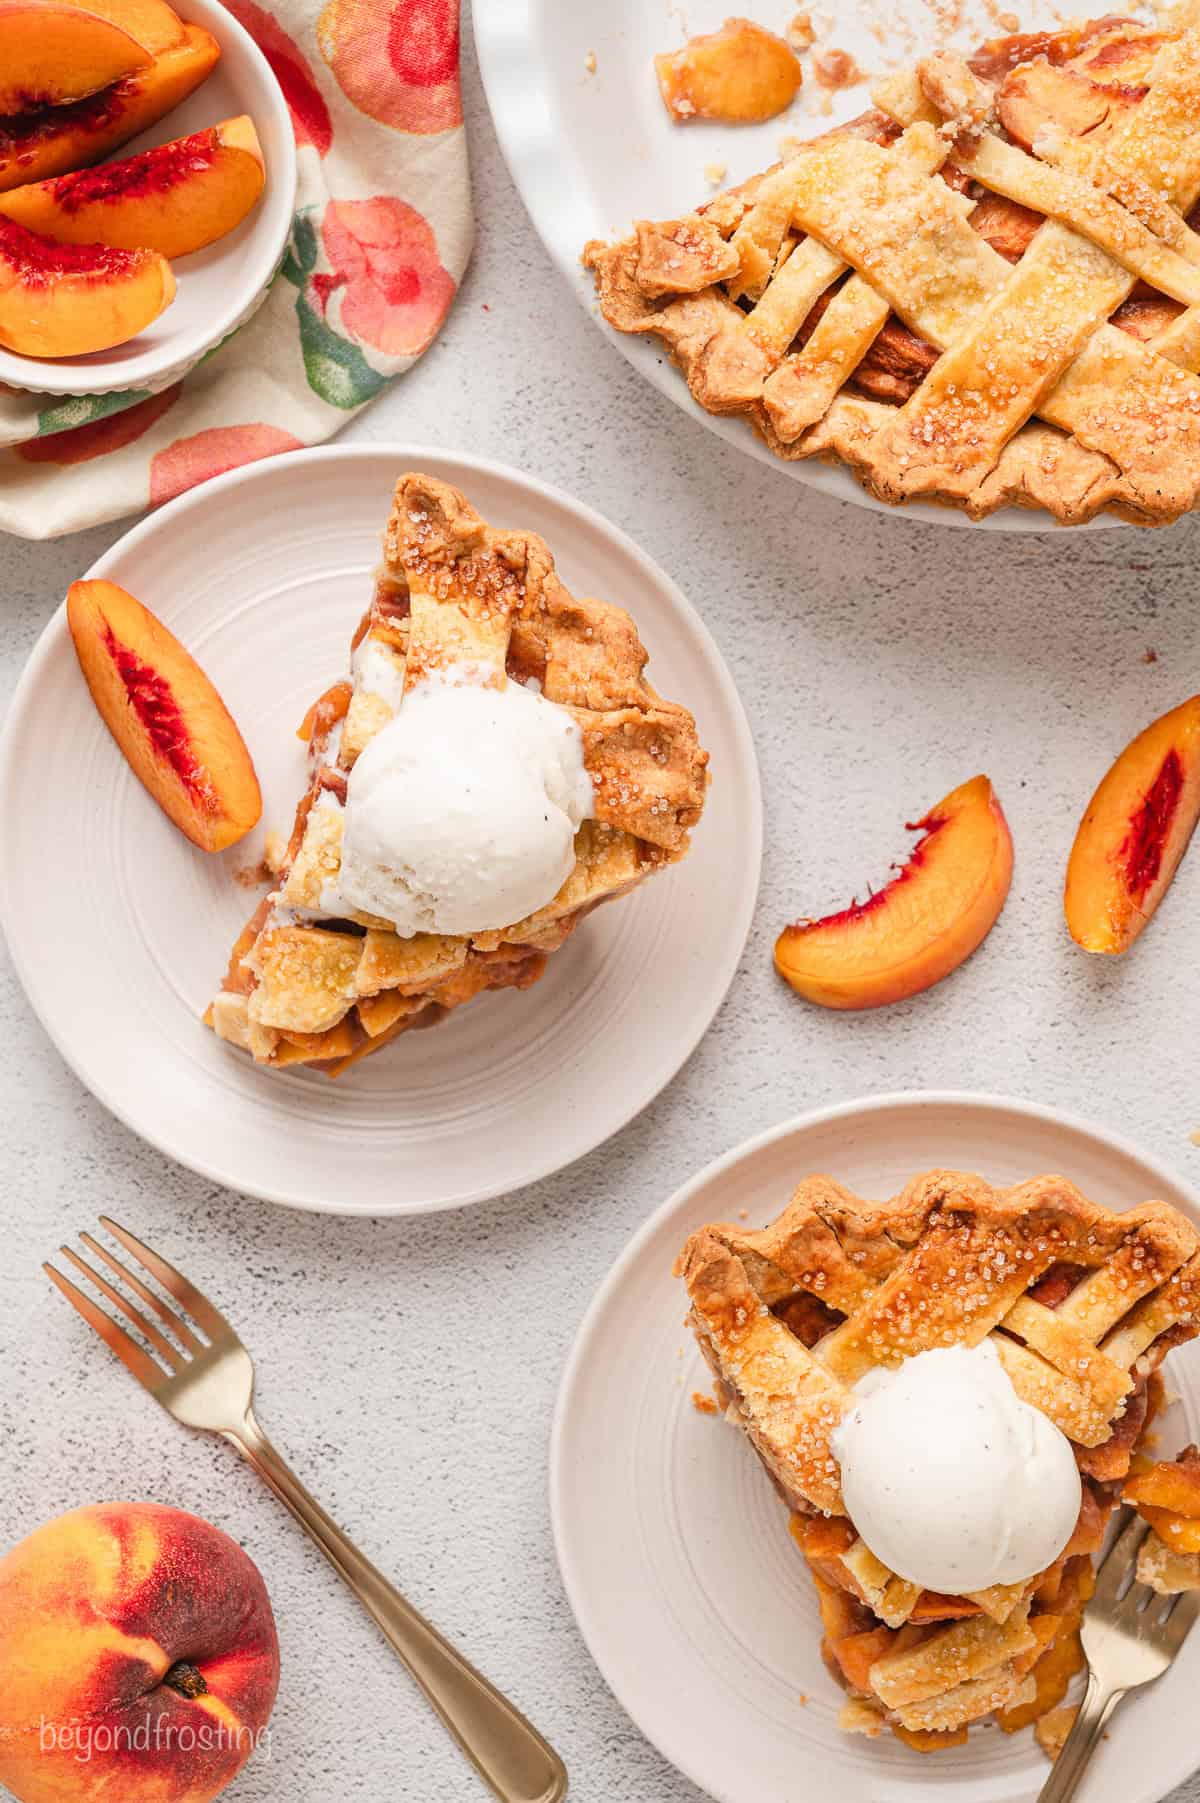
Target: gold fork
(1130, 1635)
(212, 1387)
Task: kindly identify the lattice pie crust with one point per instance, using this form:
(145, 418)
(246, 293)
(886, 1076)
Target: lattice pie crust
(928, 300)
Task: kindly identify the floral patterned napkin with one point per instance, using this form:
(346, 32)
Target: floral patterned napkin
(381, 237)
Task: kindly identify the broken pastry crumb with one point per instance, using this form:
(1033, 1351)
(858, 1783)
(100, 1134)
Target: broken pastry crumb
(836, 69)
(800, 33)
(254, 876)
(704, 1405)
(1052, 1730)
(589, 62)
(1195, 1137)
(715, 173)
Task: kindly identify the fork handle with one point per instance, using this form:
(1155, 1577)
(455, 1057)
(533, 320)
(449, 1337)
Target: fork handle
(506, 1750)
(1098, 1704)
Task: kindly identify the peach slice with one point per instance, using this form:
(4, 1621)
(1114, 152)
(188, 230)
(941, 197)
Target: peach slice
(1180, 1532)
(1082, 81)
(64, 300)
(923, 924)
(1135, 831)
(1038, 96)
(174, 199)
(325, 712)
(172, 726)
(154, 24)
(740, 75)
(52, 54)
(55, 139)
(1171, 1486)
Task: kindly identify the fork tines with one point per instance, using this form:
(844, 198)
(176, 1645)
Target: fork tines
(1164, 1618)
(1120, 1562)
(152, 1371)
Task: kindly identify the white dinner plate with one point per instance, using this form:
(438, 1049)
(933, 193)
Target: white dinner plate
(591, 151)
(120, 929)
(674, 1546)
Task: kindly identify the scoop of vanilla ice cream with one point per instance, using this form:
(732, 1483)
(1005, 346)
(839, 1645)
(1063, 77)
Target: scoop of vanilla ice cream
(461, 812)
(950, 1478)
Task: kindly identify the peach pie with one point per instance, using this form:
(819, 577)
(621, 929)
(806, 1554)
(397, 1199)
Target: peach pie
(817, 1330)
(495, 767)
(984, 291)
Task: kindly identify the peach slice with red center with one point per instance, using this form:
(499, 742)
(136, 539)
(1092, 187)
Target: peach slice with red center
(53, 54)
(740, 75)
(1135, 831)
(54, 139)
(174, 199)
(165, 715)
(923, 924)
(65, 300)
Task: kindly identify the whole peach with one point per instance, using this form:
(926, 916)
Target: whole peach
(138, 1658)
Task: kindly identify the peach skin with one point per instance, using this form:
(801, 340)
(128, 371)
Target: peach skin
(174, 199)
(923, 924)
(165, 715)
(54, 139)
(154, 24)
(64, 300)
(138, 1658)
(1135, 831)
(52, 54)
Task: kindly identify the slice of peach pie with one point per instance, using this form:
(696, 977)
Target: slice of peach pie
(949, 1391)
(494, 768)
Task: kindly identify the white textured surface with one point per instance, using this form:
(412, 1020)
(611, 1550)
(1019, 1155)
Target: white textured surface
(409, 1368)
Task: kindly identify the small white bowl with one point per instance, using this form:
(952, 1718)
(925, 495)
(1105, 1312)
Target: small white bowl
(218, 287)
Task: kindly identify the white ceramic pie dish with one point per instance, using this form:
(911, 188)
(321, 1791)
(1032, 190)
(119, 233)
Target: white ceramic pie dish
(120, 929)
(592, 149)
(220, 287)
(674, 1546)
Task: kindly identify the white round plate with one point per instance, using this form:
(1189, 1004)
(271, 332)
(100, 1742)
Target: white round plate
(590, 152)
(120, 929)
(674, 1546)
(218, 287)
